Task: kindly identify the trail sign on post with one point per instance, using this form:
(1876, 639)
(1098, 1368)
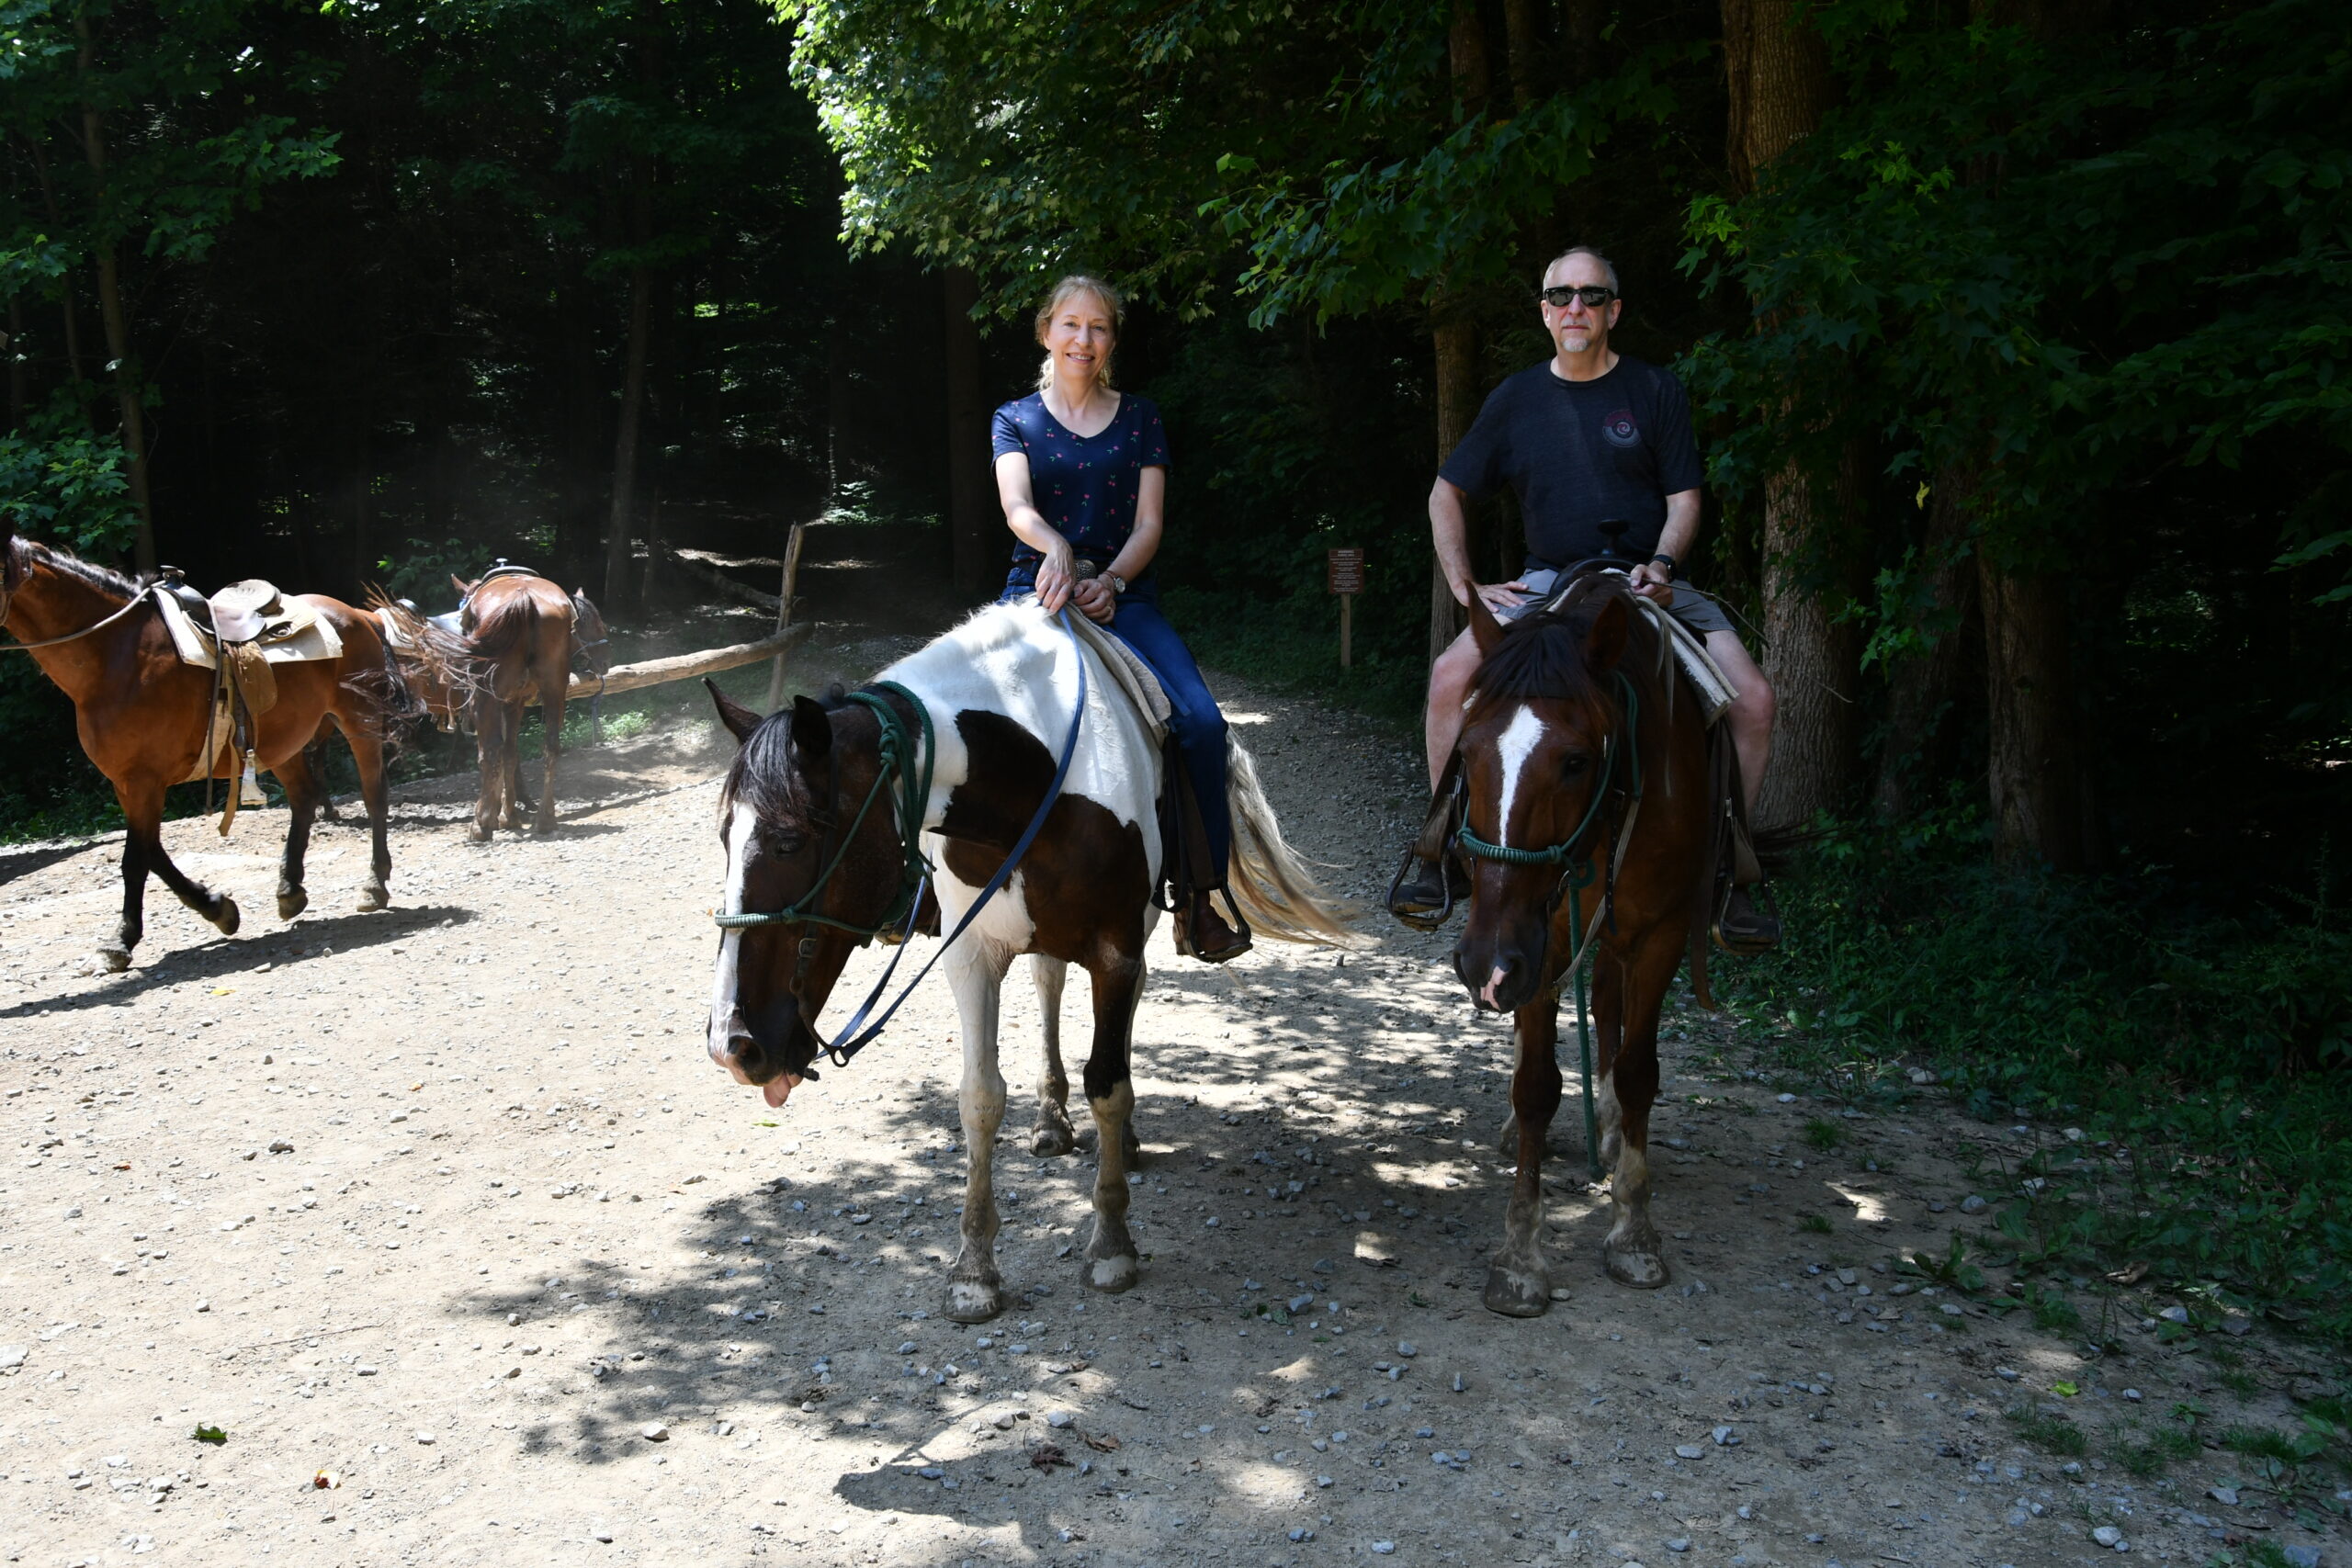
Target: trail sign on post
(1343, 575)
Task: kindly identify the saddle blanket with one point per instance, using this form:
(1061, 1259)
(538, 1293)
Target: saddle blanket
(1128, 672)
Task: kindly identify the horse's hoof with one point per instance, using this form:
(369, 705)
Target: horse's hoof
(225, 918)
(1051, 1140)
(292, 903)
(543, 827)
(1113, 1274)
(374, 897)
(1642, 1270)
(114, 960)
(1517, 1292)
(969, 1300)
(477, 834)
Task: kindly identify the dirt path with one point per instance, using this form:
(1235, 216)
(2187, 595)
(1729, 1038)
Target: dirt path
(448, 1201)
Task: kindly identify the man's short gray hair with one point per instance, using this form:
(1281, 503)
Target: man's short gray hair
(1606, 265)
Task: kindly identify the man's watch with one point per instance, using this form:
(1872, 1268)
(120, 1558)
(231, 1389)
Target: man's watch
(1118, 584)
(1669, 561)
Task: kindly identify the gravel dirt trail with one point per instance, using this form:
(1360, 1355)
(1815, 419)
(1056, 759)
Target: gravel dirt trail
(445, 1206)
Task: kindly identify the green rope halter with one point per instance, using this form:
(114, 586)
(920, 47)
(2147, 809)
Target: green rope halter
(909, 803)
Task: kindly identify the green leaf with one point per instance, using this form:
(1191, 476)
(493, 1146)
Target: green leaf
(212, 1435)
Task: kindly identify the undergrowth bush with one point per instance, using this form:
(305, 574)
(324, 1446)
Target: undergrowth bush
(2211, 1047)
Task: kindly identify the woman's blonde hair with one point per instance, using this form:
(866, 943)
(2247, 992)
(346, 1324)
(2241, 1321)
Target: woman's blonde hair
(1080, 283)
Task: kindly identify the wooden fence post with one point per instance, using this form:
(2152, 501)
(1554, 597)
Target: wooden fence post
(784, 610)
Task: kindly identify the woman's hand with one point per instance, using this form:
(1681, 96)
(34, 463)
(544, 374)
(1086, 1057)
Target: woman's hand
(1095, 599)
(1056, 576)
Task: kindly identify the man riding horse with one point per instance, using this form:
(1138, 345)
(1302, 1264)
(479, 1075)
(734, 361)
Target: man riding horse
(1597, 447)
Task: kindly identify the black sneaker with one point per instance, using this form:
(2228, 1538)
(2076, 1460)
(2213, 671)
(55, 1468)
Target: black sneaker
(1743, 928)
(1423, 893)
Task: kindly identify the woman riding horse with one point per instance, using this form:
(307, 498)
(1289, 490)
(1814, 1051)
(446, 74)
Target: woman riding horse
(1081, 470)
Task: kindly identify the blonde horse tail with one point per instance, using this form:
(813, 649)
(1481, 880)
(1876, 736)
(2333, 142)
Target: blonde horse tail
(1271, 886)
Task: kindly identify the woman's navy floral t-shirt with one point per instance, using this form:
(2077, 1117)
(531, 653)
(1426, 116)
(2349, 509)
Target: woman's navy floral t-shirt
(1086, 485)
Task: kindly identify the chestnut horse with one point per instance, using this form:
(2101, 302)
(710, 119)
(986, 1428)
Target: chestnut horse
(520, 634)
(145, 717)
(959, 746)
(1587, 797)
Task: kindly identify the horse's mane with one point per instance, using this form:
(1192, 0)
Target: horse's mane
(763, 776)
(23, 552)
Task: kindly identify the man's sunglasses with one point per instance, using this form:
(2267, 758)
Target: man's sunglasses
(1593, 295)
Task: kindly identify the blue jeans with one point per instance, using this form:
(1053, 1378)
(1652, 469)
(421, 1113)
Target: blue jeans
(1198, 725)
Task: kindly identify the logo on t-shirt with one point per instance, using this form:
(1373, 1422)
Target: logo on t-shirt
(1621, 430)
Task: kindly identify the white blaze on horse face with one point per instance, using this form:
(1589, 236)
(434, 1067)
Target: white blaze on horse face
(723, 1012)
(1516, 747)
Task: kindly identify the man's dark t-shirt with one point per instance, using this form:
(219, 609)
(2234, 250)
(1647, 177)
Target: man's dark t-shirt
(1580, 453)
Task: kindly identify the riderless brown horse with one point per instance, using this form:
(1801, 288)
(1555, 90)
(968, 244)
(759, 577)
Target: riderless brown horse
(144, 717)
(520, 633)
(1589, 804)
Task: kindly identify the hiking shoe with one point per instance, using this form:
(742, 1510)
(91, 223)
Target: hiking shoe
(1202, 933)
(1743, 928)
(1423, 893)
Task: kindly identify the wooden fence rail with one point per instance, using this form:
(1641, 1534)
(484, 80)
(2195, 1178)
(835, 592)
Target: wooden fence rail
(685, 666)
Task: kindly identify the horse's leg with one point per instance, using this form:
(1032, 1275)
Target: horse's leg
(1053, 1134)
(142, 851)
(489, 715)
(1516, 1284)
(975, 1292)
(301, 798)
(367, 751)
(1111, 1263)
(510, 779)
(1627, 995)
(551, 715)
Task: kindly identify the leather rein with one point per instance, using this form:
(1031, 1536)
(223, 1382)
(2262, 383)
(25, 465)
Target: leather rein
(8, 601)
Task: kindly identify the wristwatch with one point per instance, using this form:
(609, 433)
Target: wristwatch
(1118, 584)
(1670, 561)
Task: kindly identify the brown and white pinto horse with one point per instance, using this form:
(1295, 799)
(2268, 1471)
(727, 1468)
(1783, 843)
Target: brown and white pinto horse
(144, 719)
(1577, 747)
(997, 693)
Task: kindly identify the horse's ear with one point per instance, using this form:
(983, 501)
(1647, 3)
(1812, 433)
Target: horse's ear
(460, 584)
(740, 720)
(1604, 644)
(812, 729)
(1485, 630)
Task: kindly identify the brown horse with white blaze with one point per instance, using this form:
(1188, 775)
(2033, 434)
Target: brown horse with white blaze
(144, 718)
(1587, 817)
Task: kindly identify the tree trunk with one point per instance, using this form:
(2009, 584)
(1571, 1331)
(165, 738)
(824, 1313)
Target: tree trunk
(1526, 48)
(1465, 53)
(969, 514)
(133, 433)
(1923, 688)
(1455, 339)
(618, 527)
(2040, 808)
(1811, 658)
(1580, 25)
(1778, 72)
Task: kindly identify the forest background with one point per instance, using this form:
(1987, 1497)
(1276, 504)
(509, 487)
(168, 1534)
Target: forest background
(2017, 329)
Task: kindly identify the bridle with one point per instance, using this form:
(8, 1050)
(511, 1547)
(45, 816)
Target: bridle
(909, 765)
(1574, 857)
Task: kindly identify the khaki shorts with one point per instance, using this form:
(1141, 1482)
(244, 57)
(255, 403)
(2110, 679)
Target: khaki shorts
(1699, 612)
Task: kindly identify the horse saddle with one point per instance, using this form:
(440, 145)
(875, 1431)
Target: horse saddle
(1699, 667)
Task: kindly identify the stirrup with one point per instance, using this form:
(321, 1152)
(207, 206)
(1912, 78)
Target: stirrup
(1241, 942)
(1422, 917)
(1748, 945)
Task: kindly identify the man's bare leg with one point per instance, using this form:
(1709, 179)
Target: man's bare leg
(1750, 715)
(1449, 680)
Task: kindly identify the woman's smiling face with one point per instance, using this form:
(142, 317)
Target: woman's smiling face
(1079, 337)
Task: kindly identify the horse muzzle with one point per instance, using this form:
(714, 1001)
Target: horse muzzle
(1501, 976)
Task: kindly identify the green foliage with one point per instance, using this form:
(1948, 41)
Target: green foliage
(64, 486)
(2186, 1038)
(1818, 1225)
(1823, 1135)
